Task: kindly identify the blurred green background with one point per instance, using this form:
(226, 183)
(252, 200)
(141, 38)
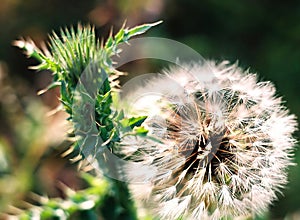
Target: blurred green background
(263, 35)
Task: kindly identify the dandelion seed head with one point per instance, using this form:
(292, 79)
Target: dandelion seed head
(226, 142)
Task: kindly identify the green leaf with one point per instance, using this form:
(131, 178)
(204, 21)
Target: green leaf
(120, 36)
(120, 115)
(103, 98)
(141, 131)
(133, 122)
(51, 86)
(141, 29)
(124, 35)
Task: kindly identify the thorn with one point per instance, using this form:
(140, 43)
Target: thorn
(79, 26)
(14, 209)
(27, 205)
(102, 43)
(42, 91)
(68, 151)
(38, 198)
(75, 159)
(154, 24)
(124, 24)
(86, 167)
(111, 32)
(54, 111)
(65, 188)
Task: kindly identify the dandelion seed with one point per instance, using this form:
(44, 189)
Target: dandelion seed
(226, 141)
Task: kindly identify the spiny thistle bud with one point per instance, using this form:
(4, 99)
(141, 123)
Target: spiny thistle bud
(225, 141)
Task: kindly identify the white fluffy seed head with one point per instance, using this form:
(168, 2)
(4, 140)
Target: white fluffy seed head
(226, 141)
